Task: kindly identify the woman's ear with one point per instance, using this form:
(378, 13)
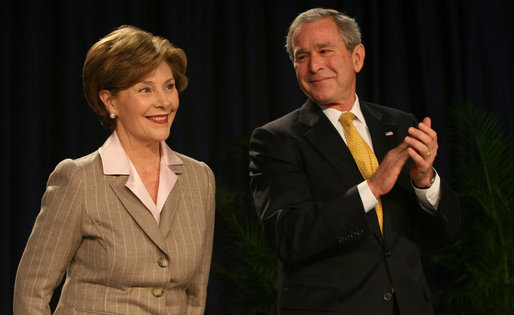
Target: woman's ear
(108, 100)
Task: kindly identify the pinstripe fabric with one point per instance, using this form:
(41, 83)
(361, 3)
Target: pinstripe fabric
(93, 229)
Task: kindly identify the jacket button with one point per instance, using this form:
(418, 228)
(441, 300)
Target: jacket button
(388, 296)
(387, 253)
(163, 262)
(157, 292)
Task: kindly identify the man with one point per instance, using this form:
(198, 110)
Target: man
(342, 197)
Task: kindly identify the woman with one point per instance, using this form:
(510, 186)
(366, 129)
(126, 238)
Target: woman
(131, 224)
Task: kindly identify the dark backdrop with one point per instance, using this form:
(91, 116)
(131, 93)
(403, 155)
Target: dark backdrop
(420, 56)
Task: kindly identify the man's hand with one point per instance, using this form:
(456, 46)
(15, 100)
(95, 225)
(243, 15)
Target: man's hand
(387, 173)
(422, 150)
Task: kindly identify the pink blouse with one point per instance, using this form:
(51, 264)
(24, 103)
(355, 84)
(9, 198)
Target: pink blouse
(116, 162)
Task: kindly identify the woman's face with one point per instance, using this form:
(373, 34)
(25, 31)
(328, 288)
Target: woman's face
(145, 111)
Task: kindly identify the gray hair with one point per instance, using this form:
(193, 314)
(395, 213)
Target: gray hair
(348, 28)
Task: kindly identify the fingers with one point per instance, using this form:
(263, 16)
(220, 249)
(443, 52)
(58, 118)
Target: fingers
(426, 127)
(399, 150)
(423, 140)
(388, 171)
(396, 157)
(424, 161)
(402, 154)
(426, 122)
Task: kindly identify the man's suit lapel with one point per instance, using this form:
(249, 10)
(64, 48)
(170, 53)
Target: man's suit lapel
(138, 211)
(323, 136)
(384, 136)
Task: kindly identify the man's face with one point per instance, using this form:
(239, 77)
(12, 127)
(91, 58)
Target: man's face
(324, 67)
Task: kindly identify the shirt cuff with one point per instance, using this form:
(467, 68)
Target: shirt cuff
(428, 198)
(369, 201)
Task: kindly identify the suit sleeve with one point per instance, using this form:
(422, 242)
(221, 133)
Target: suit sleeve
(54, 240)
(197, 291)
(297, 224)
(448, 211)
(448, 214)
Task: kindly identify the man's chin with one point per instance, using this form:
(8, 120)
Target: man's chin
(320, 100)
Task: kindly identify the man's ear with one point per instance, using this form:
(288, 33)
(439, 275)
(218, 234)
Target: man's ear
(108, 100)
(358, 55)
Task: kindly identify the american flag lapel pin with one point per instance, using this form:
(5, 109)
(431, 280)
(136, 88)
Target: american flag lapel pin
(389, 133)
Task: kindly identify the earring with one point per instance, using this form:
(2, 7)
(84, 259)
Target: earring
(112, 115)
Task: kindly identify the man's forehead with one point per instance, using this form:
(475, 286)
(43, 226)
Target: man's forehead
(318, 40)
(322, 28)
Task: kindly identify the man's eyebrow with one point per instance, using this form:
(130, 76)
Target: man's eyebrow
(317, 46)
(323, 45)
(299, 51)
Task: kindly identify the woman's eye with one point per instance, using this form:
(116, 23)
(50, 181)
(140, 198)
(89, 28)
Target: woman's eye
(144, 90)
(170, 86)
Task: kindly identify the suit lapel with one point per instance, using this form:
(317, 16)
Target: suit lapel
(384, 136)
(174, 202)
(138, 211)
(327, 141)
(323, 136)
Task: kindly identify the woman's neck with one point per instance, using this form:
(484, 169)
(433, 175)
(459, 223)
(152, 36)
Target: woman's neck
(140, 152)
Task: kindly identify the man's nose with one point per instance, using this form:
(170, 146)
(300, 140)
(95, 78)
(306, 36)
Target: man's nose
(315, 63)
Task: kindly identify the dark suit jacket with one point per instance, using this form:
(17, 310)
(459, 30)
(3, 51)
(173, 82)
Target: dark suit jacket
(332, 257)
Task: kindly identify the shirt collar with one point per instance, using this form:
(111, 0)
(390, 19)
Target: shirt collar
(334, 114)
(116, 162)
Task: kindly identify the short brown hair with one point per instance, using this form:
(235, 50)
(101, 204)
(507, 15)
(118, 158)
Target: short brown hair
(121, 58)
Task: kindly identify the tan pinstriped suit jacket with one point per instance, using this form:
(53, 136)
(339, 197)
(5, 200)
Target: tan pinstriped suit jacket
(116, 258)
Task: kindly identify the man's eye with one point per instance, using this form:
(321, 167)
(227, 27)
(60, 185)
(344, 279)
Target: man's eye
(300, 58)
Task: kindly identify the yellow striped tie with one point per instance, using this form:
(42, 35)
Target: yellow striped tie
(363, 156)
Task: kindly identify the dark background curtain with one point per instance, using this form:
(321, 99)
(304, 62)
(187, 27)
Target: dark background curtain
(421, 56)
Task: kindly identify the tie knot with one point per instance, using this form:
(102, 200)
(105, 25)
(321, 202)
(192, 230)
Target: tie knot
(346, 118)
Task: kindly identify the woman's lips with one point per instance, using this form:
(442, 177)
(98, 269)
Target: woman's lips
(158, 119)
